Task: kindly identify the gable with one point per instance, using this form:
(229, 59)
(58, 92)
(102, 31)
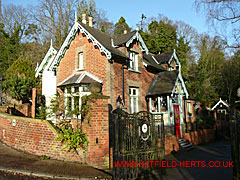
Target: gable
(180, 85)
(167, 58)
(220, 104)
(174, 59)
(98, 38)
(128, 39)
(47, 60)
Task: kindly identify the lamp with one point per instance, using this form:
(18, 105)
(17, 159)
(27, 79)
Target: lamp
(119, 101)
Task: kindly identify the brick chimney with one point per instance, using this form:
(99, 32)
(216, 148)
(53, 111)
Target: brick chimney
(90, 21)
(125, 31)
(84, 21)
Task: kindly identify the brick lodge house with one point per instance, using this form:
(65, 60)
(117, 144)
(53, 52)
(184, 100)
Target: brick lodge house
(123, 66)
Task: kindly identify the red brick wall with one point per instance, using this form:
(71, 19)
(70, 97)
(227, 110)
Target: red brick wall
(198, 104)
(141, 80)
(38, 137)
(94, 61)
(200, 136)
(195, 137)
(98, 152)
(171, 144)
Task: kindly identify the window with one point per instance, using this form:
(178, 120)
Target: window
(163, 104)
(154, 104)
(133, 99)
(73, 99)
(80, 60)
(133, 61)
(189, 109)
(158, 104)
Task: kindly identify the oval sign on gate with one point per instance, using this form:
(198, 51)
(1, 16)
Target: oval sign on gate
(144, 128)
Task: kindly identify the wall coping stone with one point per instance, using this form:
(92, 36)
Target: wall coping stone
(97, 96)
(48, 122)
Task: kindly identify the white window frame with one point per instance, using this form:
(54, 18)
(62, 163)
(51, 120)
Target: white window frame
(133, 61)
(133, 108)
(160, 107)
(73, 94)
(80, 61)
(189, 109)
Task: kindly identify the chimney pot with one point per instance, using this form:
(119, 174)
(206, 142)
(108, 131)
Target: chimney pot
(84, 21)
(125, 31)
(90, 20)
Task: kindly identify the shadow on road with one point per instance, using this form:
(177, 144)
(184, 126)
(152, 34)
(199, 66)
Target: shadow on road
(201, 157)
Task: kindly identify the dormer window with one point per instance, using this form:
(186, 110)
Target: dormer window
(133, 56)
(80, 61)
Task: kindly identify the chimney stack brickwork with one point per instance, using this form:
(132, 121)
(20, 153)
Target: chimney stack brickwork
(84, 21)
(90, 21)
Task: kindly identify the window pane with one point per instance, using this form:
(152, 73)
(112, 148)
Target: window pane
(133, 100)
(136, 62)
(76, 89)
(134, 91)
(69, 103)
(69, 90)
(134, 104)
(131, 109)
(80, 60)
(76, 102)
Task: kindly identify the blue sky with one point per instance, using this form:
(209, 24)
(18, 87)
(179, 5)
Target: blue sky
(131, 10)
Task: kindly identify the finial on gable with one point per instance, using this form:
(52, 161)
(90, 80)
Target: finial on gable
(174, 50)
(51, 43)
(75, 16)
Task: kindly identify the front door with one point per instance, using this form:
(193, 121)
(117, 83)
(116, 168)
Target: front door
(177, 120)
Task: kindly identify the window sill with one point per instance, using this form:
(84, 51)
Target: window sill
(80, 69)
(132, 70)
(159, 112)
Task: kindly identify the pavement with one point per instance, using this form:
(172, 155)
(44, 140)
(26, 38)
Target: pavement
(13, 161)
(218, 151)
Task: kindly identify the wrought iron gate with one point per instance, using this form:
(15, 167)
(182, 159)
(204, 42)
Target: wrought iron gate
(137, 139)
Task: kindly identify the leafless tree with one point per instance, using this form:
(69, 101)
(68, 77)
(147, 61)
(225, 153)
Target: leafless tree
(55, 18)
(223, 16)
(186, 31)
(13, 16)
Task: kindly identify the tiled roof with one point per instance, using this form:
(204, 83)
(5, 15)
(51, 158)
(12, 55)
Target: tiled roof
(104, 39)
(163, 57)
(152, 62)
(163, 83)
(123, 38)
(80, 77)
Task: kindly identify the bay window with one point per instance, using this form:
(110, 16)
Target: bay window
(73, 97)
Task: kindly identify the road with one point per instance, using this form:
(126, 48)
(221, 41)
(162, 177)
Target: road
(219, 151)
